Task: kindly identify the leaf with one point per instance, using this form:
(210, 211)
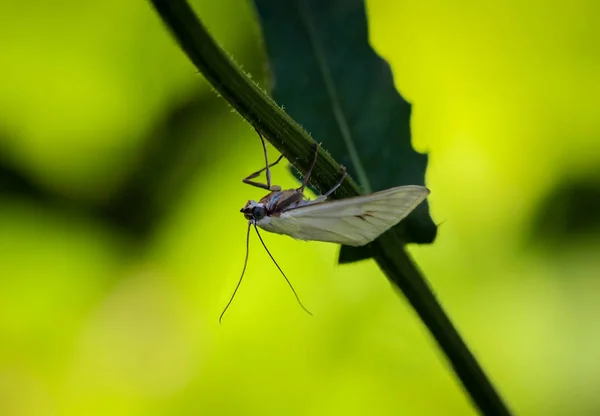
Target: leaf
(330, 80)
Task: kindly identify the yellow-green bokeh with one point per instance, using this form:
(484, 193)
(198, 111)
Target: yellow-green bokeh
(505, 102)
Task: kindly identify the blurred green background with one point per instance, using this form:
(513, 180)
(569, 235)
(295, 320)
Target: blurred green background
(110, 306)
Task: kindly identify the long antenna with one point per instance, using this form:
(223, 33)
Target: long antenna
(282, 273)
(242, 276)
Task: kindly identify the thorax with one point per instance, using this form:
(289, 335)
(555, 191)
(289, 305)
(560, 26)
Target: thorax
(279, 201)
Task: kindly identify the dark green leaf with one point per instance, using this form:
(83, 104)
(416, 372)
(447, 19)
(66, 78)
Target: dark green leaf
(329, 79)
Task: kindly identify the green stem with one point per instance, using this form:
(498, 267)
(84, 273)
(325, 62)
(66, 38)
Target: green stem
(404, 273)
(297, 146)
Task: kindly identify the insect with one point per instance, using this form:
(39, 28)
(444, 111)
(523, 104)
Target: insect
(352, 221)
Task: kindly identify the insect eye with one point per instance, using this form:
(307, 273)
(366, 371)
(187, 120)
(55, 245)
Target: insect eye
(259, 213)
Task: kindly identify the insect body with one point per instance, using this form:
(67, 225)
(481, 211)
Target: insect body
(352, 221)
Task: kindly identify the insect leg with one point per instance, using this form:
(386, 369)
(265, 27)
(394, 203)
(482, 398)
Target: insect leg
(266, 186)
(307, 176)
(337, 185)
(332, 190)
(264, 145)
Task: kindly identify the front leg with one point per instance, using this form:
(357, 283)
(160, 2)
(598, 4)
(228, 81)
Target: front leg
(248, 180)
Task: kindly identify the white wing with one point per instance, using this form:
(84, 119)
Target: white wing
(353, 221)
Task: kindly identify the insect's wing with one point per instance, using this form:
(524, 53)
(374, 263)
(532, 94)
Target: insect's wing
(352, 221)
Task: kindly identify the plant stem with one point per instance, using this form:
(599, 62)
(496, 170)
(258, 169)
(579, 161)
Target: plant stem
(297, 146)
(393, 259)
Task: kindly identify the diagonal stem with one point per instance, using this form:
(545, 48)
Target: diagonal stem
(298, 147)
